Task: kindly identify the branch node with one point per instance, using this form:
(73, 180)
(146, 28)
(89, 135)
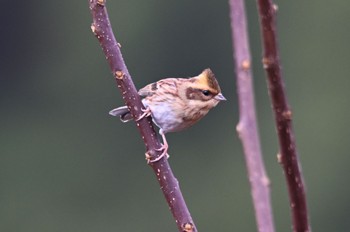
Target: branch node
(287, 114)
(101, 2)
(266, 181)
(267, 62)
(275, 8)
(188, 227)
(119, 75)
(279, 158)
(93, 28)
(246, 65)
(148, 156)
(239, 127)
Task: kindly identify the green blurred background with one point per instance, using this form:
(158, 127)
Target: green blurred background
(66, 165)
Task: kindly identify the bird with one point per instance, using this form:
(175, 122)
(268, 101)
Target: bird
(176, 104)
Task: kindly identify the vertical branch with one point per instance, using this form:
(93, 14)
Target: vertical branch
(283, 116)
(102, 29)
(247, 126)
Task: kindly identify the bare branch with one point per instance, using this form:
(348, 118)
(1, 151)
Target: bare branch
(283, 116)
(247, 126)
(102, 29)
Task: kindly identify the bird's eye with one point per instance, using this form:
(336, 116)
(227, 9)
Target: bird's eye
(206, 92)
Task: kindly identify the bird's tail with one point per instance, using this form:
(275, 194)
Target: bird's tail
(123, 112)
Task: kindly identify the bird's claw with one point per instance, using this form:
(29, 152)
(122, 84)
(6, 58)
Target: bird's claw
(163, 148)
(149, 160)
(146, 113)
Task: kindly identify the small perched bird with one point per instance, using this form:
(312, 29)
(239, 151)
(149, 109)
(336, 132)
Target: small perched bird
(176, 103)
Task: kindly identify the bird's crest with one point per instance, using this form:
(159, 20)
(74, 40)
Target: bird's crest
(207, 80)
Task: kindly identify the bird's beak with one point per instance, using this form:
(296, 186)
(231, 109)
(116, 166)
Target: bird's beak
(220, 97)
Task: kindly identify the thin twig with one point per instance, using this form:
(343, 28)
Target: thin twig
(283, 116)
(247, 125)
(102, 29)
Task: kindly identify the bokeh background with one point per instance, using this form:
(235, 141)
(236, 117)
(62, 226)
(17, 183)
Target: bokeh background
(66, 165)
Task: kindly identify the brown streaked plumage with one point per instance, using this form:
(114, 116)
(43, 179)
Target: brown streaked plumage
(177, 103)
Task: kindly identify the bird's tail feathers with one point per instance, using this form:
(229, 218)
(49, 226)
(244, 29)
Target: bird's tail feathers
(123, 112)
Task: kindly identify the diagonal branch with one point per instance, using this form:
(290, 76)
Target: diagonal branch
(102, 29)
(247, 126)
(283, 116)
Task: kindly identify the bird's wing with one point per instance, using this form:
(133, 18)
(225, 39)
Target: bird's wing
(168, 84)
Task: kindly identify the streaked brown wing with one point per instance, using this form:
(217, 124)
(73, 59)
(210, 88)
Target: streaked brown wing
(168, 84)
(148, 90)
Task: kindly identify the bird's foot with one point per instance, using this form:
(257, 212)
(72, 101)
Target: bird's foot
(163, 148)
(146, 113)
